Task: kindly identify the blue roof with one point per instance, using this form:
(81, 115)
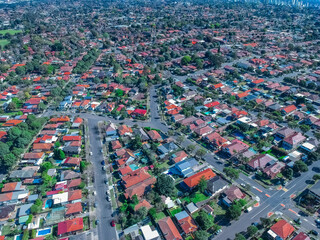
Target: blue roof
(181, 215)
(188, 163)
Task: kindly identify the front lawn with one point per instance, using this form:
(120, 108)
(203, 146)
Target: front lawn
(218, 210)
(159, 216)
(195, 198)
(175, 211)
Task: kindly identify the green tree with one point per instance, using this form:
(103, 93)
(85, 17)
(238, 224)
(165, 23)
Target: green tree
(185, 60)
(239, 236)
(234, 211)
(59, 154)
(300, 166)
(201, 152)
(165, 185)
(204, 221)
(252, 230)
(304, 128)
(191, 148)
(316, 177)
(202, 185)
(231, 172)
(201, 235)
(4, 149)
(288, 173)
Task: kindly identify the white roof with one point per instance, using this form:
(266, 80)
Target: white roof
(148, 233)
(295, 154)
(60, 198)
(308, 146)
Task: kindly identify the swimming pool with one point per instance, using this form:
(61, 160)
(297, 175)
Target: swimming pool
(43, 232)
(48, 203)
(18, 237)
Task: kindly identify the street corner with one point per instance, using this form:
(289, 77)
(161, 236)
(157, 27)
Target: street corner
(270, 214)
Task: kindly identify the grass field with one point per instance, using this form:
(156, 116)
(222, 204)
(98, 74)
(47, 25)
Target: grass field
(10, 31)
(3, 42)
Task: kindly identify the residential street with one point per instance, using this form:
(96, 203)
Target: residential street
(271, 200)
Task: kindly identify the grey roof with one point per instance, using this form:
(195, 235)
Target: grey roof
(25, 209)
(181, 215)
(188, 163)
(192, 207)
(6, 210)
(33, 197)
(22, 173)
(216, 183)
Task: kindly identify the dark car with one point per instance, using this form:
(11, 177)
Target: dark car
(113, 224)
(103, 163)
(97, 222)
(314, 232)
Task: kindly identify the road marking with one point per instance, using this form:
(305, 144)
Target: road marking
(293, 211)
(257, 189)
(282, 205)
(267, 195)
(261, 211)
(285, 189)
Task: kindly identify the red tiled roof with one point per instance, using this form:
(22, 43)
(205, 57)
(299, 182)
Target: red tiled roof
(71, 138)
(168, 229)
(9, 187)
(282, 228)
(135, 177)
(143, 203)
(289, 108)
(70, 226)
(193, 180)
(74, 208)
(74, 195)
(60, 119)
(11, 122)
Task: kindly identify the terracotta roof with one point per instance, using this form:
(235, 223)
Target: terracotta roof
(70, 226)
(143, 203)
(71, 138)
(282, 228)
(75, 195)
(289, 108)
(11, 122)
(74, 182)
(123, 129)
(140, 188)
(135, 177)
(169, 230)
(74, 208)
(42, 146)
(154, 135)
(60, 119)
(33, 155)
(234, 193)
(9, 187)
(193, 180)
(72, 161)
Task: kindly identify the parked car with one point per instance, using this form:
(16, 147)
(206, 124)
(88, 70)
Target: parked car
(103, 163)
(108, 198)
(317, 221)
(314, 232)
(97, 222)
(113, 224)
(106, 181)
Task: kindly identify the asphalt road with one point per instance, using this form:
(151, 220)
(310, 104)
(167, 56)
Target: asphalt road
(104, 208)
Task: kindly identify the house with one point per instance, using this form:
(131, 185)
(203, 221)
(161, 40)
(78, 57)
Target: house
(26, 172)
(62, 119)
(72, 162)
(12, 186)
(208, 209)
(69, 174)
(191, 207)
(167, 148)
(293, 140)
(6, 212)
(75, 195)
(139, 113)
(281, 229)
(178, 156)
(216, 185)
(42, 147)
(288, 110)
(301, 236)
(273, 170)
(73, 208)
(9, 198)
(260, 161)
(69, 138)
(284, 132)
(187, 224)
(154, 135)
(185, 167)
(140, 188)
(168, 229)
(72, 147)
(70, 226)
(203, 131)
(111, 129)
(235, 147)
(124, 130)
(315, 191)
(115, 145)
(149, 234)
(135, 177)
(193, 180)
(215, 140)
(142, 203)
(231, 194)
